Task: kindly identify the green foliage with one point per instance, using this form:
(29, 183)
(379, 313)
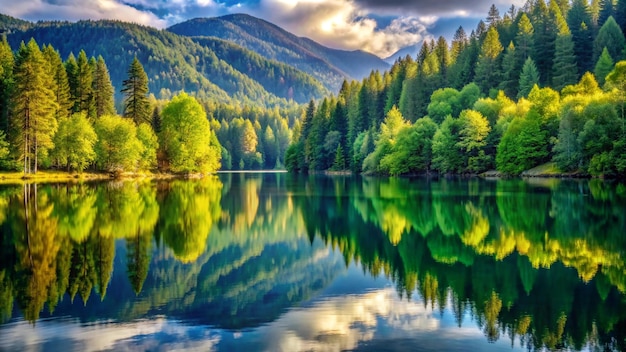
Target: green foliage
(186, 137)
(528, 79)
(33, 107)
(412, 152)
(117, 148)
(473, 140)
(447, 153)
(149, 146)
(74, 142)
(135, 90)
(603, 67)
(523, 145)
(610, 38)
(103, 93)
(487, 68)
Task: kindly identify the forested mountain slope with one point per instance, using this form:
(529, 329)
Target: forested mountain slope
(328, 65)
(174, 62)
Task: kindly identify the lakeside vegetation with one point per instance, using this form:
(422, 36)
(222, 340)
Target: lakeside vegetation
(536, 85)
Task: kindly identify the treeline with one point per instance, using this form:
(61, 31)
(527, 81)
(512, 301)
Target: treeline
(61, 115)
(538, 84)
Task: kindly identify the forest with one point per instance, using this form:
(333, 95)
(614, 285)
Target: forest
(57, 114)
(543, 85)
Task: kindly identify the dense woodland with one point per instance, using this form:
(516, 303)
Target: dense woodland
(62, 115)
(539, 84)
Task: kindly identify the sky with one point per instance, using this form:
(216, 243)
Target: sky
(380, 27)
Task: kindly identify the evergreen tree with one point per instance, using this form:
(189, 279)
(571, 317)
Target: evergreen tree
(493, 17)
(528, 78)
(487, 68)
(135, 91)
(443, 59)
(564, 70)
(607, 9)
(524, 42)
(579, 22)
(60, 84)
(544, 24)
(156, 120)
(6, 82)
(620, 14)
(510, 74)
(102, 90)
(459, 43)
(603, 67)
(81, 93)
(611, 38)
(34, 107)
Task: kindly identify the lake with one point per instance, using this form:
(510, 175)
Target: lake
(278, 262)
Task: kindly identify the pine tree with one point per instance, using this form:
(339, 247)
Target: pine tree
(524, 42)
(493, 17)
(102, 90)
(443, 59)
(564, 70)
(81, 94)
(156, 120)
(607, 9)
(579, 22)
(60, 83)
(34, 106)
(487, 68)
(510, 74)
(528, 78)
(6, 83)
(459, 43)
(603, 67)
(594, 11)
(545, 29)
(610, 37)
(135, 90)
(620, 14)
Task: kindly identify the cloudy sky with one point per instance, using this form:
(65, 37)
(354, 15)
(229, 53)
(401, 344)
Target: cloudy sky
(378, 26)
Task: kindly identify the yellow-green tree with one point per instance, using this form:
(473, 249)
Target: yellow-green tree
(186, 137)
(34, 107)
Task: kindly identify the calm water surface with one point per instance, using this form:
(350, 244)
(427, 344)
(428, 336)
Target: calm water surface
(275, 262)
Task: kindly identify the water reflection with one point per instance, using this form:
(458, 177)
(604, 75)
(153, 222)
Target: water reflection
(260, 259)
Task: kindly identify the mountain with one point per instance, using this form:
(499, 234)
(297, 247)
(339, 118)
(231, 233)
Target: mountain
(410, 50)
(222, 71)
(330, 66)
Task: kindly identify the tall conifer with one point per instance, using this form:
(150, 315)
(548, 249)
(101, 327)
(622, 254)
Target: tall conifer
(135, 90)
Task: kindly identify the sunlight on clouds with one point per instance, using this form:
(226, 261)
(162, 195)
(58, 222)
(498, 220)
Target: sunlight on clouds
(343, 24)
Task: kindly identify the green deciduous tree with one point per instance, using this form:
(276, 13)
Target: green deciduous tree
(150, 144)
(523, 145)
(448, 156)
(473, 140)
(117, 148)
(135, 91)
(186, 137)
(74, 142)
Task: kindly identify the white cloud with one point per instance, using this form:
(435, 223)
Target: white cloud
(342, 24)
(74, 10)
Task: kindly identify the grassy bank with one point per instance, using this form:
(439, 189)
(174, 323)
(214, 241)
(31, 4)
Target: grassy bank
(48, 176)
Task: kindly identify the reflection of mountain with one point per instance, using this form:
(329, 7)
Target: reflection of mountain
(510, 253)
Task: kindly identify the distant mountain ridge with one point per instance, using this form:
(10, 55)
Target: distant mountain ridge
(330, 66)
(212, 68)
